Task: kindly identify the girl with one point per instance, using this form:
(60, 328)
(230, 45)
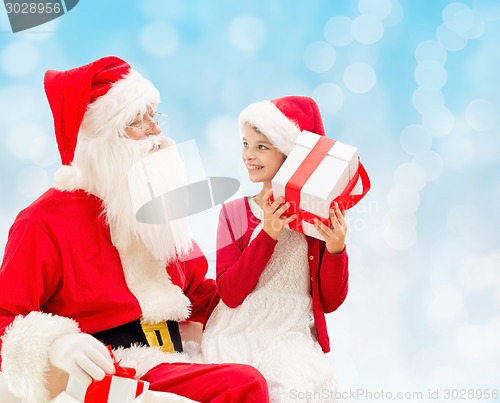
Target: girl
(275, 284)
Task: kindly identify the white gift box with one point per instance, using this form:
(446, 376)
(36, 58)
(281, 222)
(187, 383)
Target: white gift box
(315, 173)
(148, 396)
(112, 389)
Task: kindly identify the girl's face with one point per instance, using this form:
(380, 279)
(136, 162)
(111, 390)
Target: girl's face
(261, 158)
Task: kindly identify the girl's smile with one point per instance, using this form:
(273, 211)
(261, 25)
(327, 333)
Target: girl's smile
(254, 167)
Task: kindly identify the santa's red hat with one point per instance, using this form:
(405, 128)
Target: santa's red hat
(104, 93)
(282, 119)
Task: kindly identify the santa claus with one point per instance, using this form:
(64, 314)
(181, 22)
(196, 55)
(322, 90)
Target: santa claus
(81, 272)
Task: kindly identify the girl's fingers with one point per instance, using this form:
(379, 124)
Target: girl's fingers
(322, 228)
(288, 220)
(267, 196)
(339, 212)
(336, 210)
(333, 216)
(337, 216)
(279, 211)
(277, 204)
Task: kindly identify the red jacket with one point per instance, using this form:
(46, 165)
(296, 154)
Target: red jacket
(240, 264)
(59, 259)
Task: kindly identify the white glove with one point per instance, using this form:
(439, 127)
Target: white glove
(82, 356)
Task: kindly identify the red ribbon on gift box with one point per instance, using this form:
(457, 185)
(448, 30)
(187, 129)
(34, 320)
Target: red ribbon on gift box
(297, 181)
(98, 391)
(124, 372)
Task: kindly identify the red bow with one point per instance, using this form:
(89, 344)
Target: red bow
(124, 372)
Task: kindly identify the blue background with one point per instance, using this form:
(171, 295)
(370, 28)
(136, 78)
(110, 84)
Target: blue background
(412, 84)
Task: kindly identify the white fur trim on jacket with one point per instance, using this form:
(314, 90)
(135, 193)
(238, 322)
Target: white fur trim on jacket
(25, 350)
(150, 283)
(271, 122)
(144, 358)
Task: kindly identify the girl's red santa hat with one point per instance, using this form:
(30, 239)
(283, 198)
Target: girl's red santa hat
(101, 97)
(281, 120)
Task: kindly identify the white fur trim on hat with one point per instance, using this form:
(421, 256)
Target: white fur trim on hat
(25, 357)
(272, 123)
(124, 100)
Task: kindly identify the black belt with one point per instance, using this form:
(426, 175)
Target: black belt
(164, 334)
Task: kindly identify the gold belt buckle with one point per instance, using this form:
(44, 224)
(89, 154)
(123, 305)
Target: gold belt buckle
(157, 335)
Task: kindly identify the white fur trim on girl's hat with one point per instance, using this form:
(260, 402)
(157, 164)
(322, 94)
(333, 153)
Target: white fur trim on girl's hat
(282, 119)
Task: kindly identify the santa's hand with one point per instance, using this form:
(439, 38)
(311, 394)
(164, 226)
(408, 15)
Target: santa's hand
(82, 356)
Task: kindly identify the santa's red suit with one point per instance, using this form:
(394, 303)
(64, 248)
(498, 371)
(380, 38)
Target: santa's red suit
(60, 259)
(62, 274)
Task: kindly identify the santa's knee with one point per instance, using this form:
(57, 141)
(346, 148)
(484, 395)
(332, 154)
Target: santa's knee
(250, 383)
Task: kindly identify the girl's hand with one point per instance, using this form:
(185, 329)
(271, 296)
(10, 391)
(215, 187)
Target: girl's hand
(335, 234)
(274, 221)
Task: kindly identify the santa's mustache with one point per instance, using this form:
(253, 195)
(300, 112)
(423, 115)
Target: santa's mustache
(149, 144)
(124, 172)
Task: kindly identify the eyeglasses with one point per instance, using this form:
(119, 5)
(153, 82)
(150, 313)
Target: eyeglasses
(158, 118)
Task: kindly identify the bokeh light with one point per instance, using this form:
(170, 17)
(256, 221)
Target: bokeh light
(425, 99)
(481, 115)
(431, 162)
(19, 59)
(378, 8)
(489, 9)
(462, 20)
(247, 33)
(159, 39)
(400, 232)
(450, 39)
(446, 305)
(478, 273)
(21, 137)
(438, 122)
(414, 139)
(359, 77)
(42, 151)
(401, 199)
(319, 57)
(32, 181)
(330, 96)
(367, 29)
(338, 31)
(410, 176)
(430, 74)
(431, 50)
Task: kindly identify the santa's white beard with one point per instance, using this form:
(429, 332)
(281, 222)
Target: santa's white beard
(104, 166)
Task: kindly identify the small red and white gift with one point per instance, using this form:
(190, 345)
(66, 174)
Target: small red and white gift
(318, 172)
(119, 388)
